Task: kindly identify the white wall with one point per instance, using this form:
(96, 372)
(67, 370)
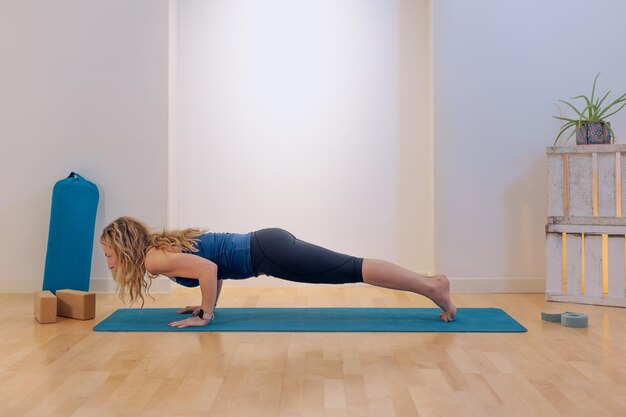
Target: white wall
(344, 99)
(83, 88)
(312, 116)
(500, 68)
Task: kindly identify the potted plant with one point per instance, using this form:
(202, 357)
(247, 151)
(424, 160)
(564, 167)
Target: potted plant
(591, 126)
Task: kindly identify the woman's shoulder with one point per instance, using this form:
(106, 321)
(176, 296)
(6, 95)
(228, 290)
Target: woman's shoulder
(155, 257)
(153, 250)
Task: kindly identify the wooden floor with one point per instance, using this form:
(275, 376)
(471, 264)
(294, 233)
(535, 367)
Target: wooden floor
(66, 369)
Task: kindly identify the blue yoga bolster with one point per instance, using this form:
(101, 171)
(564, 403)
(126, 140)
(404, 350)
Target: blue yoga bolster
(70, 238)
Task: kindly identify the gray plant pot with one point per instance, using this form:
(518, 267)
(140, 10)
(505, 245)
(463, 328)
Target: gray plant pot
(593, 133)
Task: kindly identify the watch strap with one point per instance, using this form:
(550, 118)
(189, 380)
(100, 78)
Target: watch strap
(202, 315)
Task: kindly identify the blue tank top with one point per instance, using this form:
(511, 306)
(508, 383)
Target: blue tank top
(229, 251)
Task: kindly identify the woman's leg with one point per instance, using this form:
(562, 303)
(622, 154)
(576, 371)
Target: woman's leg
(388, 275)
(278, 253)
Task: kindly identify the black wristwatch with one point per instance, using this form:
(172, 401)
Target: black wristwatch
(201, 315)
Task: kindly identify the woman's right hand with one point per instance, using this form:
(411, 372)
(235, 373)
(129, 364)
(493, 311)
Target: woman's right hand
(190, 309)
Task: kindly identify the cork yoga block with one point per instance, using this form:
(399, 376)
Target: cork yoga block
(45, 307)
(76, 304)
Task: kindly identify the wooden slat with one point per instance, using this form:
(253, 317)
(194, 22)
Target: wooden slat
(618, 184)
(594, 184)
(573, 264)
(593, 266)
(580, 185)
(586, 229)
(606, 184)
(622, 176)
(580, 149)
(555, 186)
(565, 184)
(590, 221)
(554, 263)
(582, 299)
(616, 267)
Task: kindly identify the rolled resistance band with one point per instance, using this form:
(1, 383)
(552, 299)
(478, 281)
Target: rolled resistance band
(572, 319)
(567, 319)
(552, 317)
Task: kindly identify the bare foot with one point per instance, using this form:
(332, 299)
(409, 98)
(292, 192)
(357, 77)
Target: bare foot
(441, 296)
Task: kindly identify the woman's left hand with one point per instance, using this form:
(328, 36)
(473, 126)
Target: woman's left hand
(190, 322)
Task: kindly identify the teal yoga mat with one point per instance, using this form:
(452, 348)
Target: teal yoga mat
(315, 320)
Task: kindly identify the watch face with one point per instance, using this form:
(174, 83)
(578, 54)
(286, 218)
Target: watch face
(201, 314)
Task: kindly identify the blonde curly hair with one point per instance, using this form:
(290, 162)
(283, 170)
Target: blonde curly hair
(130, 239)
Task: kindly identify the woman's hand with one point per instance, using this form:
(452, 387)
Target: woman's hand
(190, 309)
(190, 322)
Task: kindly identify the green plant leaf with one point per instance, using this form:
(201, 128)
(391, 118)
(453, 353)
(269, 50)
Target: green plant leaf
(584, 118)
(568, 125)
(564, 128)
(585, 97)
(593, 112)
(589, 109)
(617, 101)
(565, 118)
(572, 106)
(593, 90)
(611, 114)
(570, 135)
(599, 102)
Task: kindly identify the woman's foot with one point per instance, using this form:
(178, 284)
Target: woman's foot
(388, 275)
(440, 295)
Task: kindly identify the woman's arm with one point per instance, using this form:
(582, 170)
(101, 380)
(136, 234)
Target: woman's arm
(219, 290)
(194, 309)
(190, 266)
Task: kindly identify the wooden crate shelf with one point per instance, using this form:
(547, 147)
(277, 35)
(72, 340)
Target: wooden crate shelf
(585, 230)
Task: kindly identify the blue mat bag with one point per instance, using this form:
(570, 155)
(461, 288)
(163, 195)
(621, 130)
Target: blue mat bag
(70, 238)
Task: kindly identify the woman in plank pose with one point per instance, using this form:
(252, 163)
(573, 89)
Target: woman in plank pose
(193, 257)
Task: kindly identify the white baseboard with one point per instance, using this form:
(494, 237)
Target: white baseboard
(162, 285)
(533, 285)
